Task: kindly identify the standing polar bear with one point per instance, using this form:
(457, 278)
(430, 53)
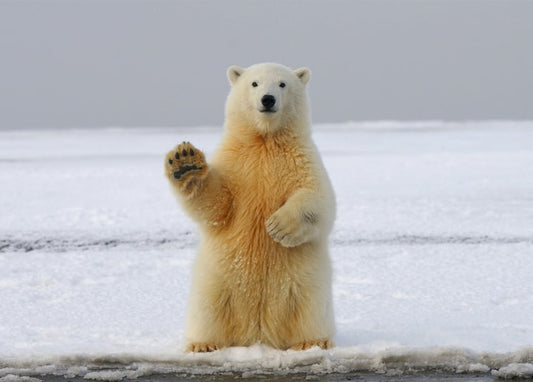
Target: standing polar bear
(265, 208)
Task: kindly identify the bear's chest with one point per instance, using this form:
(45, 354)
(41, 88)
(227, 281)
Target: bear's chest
(262, 178)
(268, 176)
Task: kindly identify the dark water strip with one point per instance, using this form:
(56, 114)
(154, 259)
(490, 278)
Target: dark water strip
(187, 239)
(434, 240)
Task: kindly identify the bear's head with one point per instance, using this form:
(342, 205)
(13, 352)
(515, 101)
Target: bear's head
(268, 98)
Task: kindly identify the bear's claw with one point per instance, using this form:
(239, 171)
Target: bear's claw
(201, 348)
(323, 344)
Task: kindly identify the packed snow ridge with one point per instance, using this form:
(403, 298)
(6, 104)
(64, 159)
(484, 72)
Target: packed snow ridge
(432, 254)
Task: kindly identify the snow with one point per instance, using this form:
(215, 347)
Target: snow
(521, 370)
(432, 253)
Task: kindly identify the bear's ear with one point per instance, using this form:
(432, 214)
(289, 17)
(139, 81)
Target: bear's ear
(303, 74)
(234, 72)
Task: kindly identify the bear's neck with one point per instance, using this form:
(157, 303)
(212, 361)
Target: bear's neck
(253, 134)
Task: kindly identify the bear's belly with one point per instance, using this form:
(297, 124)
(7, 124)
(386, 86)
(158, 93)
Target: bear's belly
(255, 271)
(250, 250)
(261, 283)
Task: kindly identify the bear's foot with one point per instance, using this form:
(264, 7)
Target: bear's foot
(185, 163)
(201, 348)
(323, 344)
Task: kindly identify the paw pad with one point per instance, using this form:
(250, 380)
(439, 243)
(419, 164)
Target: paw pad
(183, 160)
(184, 170)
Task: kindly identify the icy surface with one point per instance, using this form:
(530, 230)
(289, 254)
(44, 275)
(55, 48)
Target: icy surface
(521, 370)
(432, 252)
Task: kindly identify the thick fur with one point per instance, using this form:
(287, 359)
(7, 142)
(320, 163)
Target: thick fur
(265, 207)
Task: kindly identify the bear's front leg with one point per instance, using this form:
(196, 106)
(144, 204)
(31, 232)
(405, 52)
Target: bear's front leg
(185, 167)
(201, 188)
(297, 221)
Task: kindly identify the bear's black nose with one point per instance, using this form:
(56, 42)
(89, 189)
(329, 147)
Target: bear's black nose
(268, 101)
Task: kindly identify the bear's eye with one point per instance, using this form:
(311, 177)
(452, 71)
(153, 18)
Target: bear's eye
(254, 84)
(282, 84)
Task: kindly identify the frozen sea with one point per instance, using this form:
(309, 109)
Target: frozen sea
(432, 252)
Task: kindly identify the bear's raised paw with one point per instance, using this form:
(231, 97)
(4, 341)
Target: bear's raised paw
(184, 163)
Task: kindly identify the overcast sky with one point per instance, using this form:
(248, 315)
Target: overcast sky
(163, 63)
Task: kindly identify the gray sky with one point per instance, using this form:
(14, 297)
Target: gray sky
(163, 63)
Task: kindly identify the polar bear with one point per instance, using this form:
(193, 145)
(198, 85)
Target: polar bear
(264, 206)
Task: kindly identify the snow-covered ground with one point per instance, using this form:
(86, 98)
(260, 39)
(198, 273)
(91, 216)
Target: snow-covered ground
(432, 252)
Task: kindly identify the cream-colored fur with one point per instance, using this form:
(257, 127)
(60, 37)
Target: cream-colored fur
(265, 207)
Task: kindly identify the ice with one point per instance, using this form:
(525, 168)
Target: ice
(514, 370)
(432, 253)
